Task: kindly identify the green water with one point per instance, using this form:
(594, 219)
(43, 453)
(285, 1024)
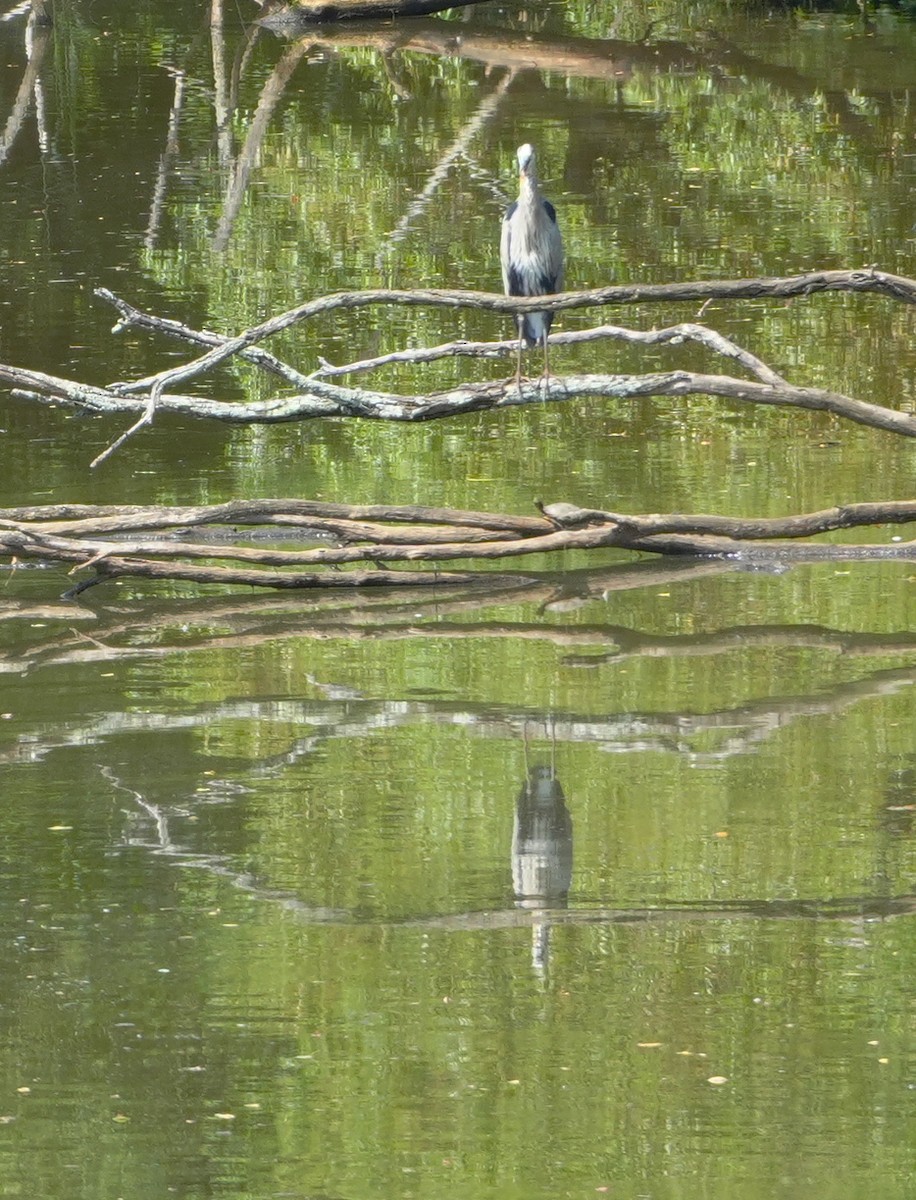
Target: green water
(602, 884)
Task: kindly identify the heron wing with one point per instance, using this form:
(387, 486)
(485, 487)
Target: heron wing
(553, 245)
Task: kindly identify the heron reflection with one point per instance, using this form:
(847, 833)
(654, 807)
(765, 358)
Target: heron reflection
(542, 854)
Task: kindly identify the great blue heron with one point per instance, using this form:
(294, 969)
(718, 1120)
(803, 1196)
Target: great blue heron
(531, 255)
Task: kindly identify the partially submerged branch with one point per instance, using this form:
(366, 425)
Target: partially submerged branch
(383, 537)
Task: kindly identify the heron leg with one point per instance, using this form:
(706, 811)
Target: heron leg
(546, 374)
(518, 362)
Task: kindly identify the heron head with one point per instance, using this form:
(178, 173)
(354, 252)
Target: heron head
(525, 158)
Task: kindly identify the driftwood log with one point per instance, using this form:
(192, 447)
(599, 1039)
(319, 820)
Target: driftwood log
(380, 545)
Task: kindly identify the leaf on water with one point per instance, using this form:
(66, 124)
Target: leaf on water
(224, 1116)
(120, 1118)
(649, 1045)
(59, 828)
(717, 1079)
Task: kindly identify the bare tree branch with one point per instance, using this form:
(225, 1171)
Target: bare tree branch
(135, 317)
(319, 398)
(673, 335)
(298, 12)
(92, 519)
(328, 400)
(862, 281)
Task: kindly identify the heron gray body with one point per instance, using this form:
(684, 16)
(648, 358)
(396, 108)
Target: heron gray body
(531, 253)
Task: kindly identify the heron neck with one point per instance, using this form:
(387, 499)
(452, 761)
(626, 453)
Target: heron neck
(529, 184)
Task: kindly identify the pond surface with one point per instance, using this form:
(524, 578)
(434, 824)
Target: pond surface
(599, 884)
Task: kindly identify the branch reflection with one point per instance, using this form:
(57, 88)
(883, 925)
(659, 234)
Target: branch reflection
(44, 635)
(37, 38)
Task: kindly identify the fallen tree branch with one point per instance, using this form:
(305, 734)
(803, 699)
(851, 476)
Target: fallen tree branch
(672, 335)
(319, 398)
(92, 519)
(870, 280)
(328, 400)
(319, 11)
(847, 516)
(384, 540)
(136, 318)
